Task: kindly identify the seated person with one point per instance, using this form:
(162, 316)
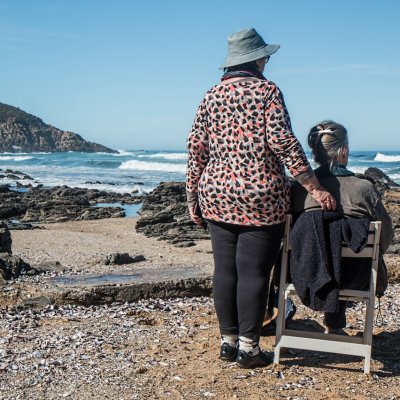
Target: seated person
(356, 198)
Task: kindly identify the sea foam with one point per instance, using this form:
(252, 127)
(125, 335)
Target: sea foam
(357, 170)
(15, 158)
(395, 177)
(122, 153)
(136, 165)
(167, 156)
(386, 158)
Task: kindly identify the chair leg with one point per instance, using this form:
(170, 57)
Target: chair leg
(277, 354)
(369, 322)
(280, 324)
(367, 361)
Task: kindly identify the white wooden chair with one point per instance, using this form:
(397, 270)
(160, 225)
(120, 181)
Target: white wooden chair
(331, 343)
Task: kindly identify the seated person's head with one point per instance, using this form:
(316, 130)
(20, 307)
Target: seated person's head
(329, 143)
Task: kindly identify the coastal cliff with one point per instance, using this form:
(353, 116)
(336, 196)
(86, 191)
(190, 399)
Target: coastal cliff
(23, 132)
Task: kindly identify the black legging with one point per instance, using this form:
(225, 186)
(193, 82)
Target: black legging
(243, 258)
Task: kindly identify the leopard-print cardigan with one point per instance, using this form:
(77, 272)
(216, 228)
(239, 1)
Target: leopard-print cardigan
(239, 143)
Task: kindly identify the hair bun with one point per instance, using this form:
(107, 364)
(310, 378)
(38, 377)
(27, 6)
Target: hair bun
(326, 140)
(314, 138)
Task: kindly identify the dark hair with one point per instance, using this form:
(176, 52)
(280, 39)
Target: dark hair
(327, 140)
(249, 66)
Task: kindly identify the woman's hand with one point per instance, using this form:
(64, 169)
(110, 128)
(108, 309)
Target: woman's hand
(195, 215)
(319, 193)
(324, 198)
(194, 210)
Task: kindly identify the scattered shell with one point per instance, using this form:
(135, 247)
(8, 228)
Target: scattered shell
(142, 350)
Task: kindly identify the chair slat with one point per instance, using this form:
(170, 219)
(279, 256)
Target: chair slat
(367, 252)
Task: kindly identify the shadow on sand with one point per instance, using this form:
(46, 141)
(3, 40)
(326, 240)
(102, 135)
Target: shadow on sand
(385, 348)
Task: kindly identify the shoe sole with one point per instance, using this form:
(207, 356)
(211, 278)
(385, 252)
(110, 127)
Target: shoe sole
(254, 366)
(228, 359)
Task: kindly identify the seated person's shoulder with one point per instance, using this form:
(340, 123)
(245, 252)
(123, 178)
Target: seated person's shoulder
(363, 183)
(364, 179)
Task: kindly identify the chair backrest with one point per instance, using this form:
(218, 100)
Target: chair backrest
(371, 250)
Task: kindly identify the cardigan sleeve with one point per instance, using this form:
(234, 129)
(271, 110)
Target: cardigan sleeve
(281, 139)
(198, 150)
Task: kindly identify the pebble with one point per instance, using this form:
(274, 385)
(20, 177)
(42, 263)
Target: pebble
(33, 356)
(96, 346)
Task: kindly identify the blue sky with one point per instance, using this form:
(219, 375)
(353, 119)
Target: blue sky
(130, 74)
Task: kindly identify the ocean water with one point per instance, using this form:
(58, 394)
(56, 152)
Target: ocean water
(141, 171)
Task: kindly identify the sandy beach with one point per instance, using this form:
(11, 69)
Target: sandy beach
(155, 348)
(80, 245)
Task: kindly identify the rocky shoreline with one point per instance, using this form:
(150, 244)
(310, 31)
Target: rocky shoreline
(32, 203)
(122, 308)
(163, 214)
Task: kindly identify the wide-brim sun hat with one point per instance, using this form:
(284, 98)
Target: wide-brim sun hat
(245, 46)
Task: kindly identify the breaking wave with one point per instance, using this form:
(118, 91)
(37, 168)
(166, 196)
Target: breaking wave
(136, 165)
(386, 158)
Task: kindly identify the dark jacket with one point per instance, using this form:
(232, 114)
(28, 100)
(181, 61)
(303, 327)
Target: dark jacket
(315, 260)
(356, 198)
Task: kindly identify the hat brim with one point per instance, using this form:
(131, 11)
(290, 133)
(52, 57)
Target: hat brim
(265, 51)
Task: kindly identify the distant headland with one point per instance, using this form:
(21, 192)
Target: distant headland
(23, 132)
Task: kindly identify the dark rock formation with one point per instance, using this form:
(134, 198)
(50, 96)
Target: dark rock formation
(16, 225)
(18, 176)
(5, 238)
(12, 267)
(59, 204)
(124, 286)
(121, 259)
(23, 132)
(379, 179)
(50, 266)
(164, 215)
(4, 188)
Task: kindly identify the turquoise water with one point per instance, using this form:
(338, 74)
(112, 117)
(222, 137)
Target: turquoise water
(141, 171)
(130, 209)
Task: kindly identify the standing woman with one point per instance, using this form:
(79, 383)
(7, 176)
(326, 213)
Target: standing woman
(239, 144)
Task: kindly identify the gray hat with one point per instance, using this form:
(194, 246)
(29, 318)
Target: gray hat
(245, 46)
